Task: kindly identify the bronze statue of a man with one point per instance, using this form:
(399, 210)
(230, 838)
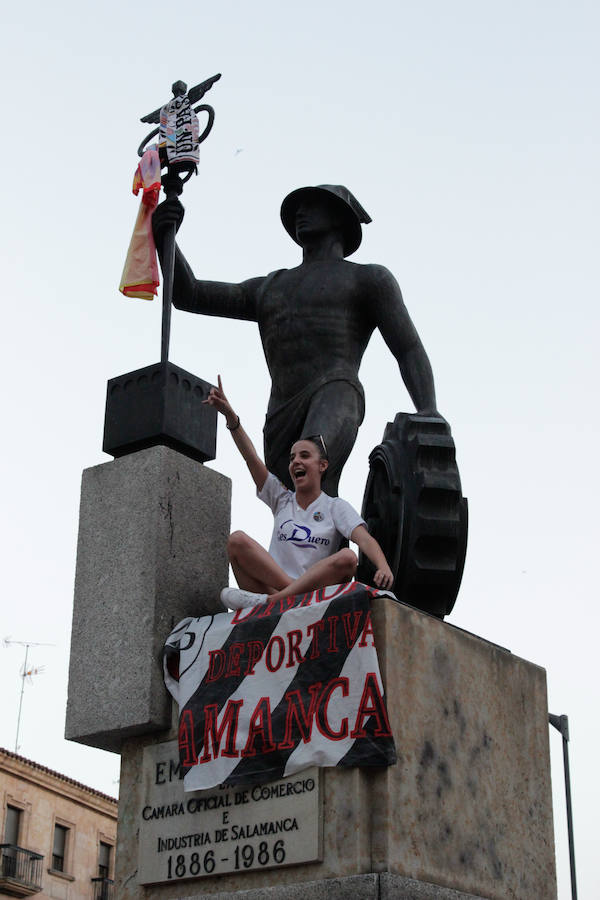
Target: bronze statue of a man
(315, 322)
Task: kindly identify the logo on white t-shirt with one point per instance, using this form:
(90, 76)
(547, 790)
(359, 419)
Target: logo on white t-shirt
(300, 535)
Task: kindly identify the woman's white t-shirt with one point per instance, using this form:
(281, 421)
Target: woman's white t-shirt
(301, 537)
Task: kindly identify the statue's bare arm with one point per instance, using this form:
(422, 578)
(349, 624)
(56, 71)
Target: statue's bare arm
(399, 333)
(212, 298)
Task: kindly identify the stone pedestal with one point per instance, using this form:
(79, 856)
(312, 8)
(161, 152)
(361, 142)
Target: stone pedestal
(153, 530)
(466, 813)
(469, 805)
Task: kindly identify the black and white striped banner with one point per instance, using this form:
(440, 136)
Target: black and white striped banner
(265, 692)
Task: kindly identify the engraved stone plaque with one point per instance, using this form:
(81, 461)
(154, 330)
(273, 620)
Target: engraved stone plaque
(225, 829)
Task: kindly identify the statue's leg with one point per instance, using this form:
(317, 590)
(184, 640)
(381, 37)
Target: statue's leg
(336, 411)
(279, 435)
(279, 466)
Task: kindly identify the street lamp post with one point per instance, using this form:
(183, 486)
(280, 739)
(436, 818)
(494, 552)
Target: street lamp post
(561, 723)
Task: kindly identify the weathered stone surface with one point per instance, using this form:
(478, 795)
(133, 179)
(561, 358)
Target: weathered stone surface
(466, 813)
(395, 887)
(469, 804)
(152, 549)
(353, 887)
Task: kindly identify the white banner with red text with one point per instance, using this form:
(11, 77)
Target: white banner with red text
(267, 691)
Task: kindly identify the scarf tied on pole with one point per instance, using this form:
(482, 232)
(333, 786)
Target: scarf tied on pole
(140, 272)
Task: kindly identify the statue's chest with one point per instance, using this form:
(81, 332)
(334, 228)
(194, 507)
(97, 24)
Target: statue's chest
(290, 297)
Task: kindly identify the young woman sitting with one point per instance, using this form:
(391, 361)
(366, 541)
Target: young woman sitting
(309, 526)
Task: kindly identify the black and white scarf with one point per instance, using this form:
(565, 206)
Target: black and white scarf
(266, 691)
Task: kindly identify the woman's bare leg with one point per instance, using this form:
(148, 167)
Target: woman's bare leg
(252, 566)
(336, 569)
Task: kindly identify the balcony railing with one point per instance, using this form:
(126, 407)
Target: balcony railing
(20, 871)
(103, 889)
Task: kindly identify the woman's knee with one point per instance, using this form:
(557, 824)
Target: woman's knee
(237, 542)
(347, 563)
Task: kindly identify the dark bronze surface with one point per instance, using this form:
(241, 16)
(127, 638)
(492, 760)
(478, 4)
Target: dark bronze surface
(414, 507)
(179, 88)
(315, 323)
(159, 405)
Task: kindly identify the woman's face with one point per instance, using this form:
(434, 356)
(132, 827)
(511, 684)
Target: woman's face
(306, 465)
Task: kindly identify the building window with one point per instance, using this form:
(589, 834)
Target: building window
(12, 828)
(59, 848)
(12, 825)
(104, 860)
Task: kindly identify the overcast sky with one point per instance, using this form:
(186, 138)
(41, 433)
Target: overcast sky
(469, 131)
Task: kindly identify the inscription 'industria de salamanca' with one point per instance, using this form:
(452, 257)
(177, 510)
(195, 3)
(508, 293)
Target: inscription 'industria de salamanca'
(233, 833)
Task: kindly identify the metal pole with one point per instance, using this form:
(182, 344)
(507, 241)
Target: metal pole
(173, 186)
(21, 699)
(184, 162)
(561, 723)
(167, 296)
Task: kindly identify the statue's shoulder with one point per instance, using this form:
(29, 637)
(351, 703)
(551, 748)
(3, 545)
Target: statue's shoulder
(273, 276)
(275, 273)
(374, 273)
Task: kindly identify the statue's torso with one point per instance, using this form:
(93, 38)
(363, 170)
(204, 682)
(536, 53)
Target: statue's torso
(313, 320)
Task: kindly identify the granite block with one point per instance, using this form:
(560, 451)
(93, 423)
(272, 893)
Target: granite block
(469, 805)
(465, 814)
(395, 887)
(353, 887)
(152, 540)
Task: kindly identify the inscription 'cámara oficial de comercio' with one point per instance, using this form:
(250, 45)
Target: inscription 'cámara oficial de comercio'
(235, 829)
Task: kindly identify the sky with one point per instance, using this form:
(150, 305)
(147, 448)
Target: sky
(470, 133)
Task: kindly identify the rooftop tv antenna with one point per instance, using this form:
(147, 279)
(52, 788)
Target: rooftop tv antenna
(25, 673)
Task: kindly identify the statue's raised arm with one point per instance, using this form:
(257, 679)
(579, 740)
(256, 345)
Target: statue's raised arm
(212, 298)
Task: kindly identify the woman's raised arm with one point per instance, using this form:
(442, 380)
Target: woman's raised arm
(257, 468)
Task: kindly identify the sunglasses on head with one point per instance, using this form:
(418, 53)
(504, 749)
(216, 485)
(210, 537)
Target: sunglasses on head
(318, 439)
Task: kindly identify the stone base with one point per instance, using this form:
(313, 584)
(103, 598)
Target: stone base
(384, 886)
(465, 813)
(153, 530)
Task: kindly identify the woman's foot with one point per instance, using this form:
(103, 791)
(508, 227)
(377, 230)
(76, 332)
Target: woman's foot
(236, 598)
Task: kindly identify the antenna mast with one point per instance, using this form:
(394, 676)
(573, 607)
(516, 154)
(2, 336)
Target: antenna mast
(27, 644)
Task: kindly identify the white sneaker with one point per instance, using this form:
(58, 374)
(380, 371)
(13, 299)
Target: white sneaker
(236, 598)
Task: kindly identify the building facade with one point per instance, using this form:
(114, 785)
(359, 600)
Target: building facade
(57, 836)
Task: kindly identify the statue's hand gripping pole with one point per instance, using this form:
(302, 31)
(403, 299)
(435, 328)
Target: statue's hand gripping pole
(179, 151)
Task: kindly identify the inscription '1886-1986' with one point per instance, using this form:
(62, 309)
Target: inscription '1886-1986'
(244, 858)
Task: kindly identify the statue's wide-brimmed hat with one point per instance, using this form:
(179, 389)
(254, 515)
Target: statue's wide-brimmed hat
(353, 212)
